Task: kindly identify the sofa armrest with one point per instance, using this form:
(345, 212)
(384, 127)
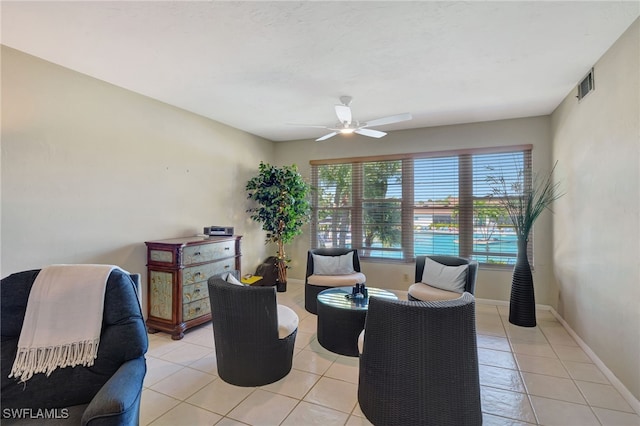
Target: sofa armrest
(118, 401)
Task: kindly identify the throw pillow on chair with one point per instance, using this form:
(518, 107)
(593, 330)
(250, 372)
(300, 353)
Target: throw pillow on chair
(443, 278)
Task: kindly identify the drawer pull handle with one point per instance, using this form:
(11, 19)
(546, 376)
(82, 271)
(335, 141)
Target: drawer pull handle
(197, 291)
(198, 309)
(226, 266)
(196, 253)
(197, 274)
(227, 248)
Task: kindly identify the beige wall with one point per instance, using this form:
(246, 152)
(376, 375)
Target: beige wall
(491, 284)
(596, 225)
(90, 171)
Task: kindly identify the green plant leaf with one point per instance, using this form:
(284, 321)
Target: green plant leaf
(283, 205)
(525, 202)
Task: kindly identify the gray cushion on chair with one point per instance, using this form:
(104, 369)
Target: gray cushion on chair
(337, 280)
(287, 321)
(333, 265)
(424, 292)
(445, 277)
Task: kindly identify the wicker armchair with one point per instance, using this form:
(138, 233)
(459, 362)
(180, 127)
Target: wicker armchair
(424, 292)
(419, 363)
(254, 336)
(315, 283)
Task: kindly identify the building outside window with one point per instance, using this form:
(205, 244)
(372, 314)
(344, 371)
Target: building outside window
(393, 208)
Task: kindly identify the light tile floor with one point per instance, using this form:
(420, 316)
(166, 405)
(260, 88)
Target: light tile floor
(527, 376)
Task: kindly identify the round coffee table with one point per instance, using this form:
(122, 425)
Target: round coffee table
(341, 319)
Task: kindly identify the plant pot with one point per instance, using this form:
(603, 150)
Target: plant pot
(522, 304)
(281, 286)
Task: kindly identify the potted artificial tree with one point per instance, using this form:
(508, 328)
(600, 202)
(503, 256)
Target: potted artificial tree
(283, 199)
(523, 202)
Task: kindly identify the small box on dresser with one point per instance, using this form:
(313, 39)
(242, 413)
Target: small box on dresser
(177, 274)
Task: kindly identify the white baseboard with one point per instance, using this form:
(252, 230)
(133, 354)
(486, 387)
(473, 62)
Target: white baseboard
(615, 382)
(506, 303)
(492, 302)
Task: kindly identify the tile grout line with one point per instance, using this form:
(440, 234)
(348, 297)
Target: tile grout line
(511, 337)
(615, 382)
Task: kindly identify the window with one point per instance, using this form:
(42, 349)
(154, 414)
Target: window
(398, 207)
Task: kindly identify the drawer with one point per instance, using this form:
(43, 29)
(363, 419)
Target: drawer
(193, 292)
(161, 256)
(195, 309)
(195, 274)
(208, 252)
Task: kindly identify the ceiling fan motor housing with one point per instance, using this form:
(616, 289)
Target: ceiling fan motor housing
(346, 124)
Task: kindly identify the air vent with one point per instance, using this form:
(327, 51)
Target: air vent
(586, 86)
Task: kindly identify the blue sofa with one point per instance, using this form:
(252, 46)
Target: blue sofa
(107, 393)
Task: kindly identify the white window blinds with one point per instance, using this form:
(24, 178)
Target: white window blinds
(398, 207)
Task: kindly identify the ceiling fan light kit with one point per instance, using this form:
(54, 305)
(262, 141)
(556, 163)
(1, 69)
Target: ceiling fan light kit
(346, 124)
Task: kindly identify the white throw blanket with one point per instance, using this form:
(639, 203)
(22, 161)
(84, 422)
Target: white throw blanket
(63, 319)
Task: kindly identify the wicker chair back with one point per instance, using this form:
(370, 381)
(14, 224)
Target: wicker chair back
(419, 363)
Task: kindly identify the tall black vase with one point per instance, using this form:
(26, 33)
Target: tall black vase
(522, 305)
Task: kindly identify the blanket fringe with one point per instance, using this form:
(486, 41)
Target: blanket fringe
(30, 361)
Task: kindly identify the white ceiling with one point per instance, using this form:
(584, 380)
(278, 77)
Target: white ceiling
(259, 65)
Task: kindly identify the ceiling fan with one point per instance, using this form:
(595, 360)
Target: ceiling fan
(347, 125)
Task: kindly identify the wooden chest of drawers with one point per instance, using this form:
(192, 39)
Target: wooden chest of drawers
(178, 270)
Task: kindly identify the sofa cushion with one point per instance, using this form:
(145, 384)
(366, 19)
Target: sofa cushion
(333, 265)
(427, 293)
(450, 278)
(336, 280)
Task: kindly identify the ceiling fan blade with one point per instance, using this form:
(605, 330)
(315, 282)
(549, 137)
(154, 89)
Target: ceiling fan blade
(330, 135)
(370, 132)
(307, 125)
(388, 120)
(344, 113)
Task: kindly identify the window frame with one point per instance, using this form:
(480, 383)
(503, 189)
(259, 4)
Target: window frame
(465, 194)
